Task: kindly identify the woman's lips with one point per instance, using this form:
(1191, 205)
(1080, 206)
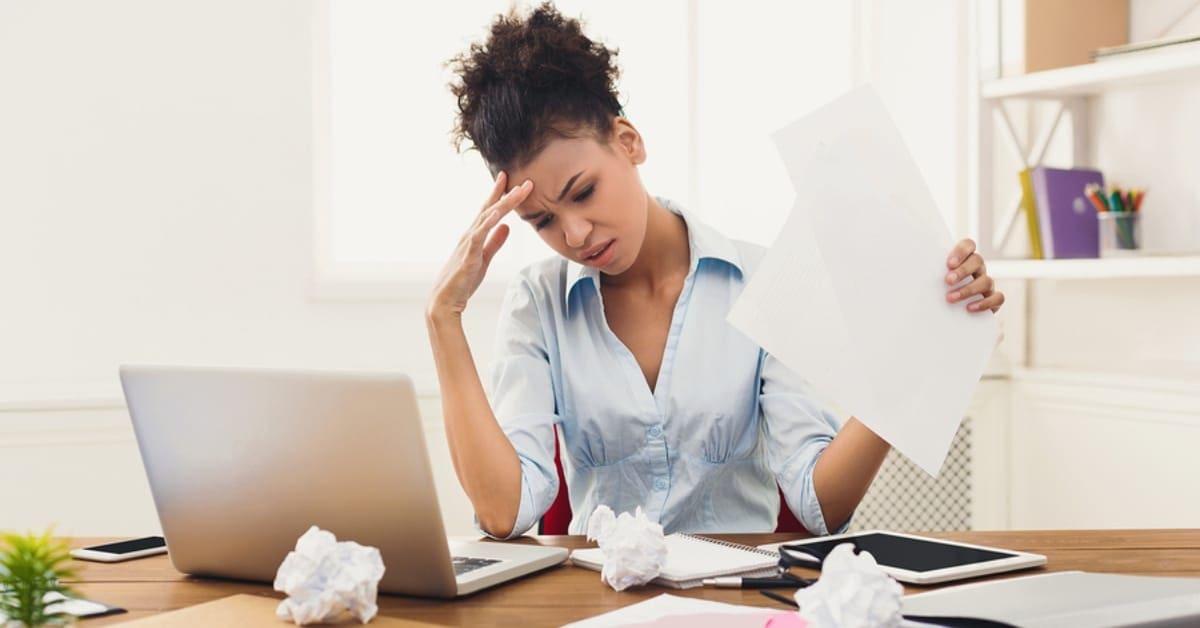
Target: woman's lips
(595, 250)
(599, 255)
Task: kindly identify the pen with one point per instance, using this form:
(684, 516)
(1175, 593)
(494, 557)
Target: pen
(757, 583)
(1116, 201)
(1094, 196)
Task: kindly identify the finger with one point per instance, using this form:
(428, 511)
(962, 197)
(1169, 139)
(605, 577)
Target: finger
(973, 266)
(991, 302)
(499, 210)
(960, 252)
(983, 285)
(498, 188)
(996, 307)
(494, 242)
(489, 222)
(512, 199)
(497, 194)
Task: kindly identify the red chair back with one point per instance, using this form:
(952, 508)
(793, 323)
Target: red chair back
(558, 518)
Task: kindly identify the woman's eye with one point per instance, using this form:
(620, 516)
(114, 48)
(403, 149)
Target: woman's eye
(543, 222)
(586, 193)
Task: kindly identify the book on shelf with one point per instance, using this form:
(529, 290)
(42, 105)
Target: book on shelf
(1061, 33)
(1163, 44)
(1066, 220)
(1029, 208)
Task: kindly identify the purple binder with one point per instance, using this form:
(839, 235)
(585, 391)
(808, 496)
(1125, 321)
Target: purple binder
(1067, 220)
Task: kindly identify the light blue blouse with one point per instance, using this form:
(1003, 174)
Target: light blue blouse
(703, 451)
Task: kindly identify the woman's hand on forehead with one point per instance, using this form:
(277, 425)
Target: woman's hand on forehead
(500, 202)
(468, 265)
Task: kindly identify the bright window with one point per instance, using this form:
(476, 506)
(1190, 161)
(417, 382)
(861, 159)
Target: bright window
(393, 197)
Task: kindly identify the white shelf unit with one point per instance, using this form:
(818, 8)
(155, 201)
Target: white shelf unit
(1137, 68)
(1054, 425)
(1070, 87)
(1108, 268)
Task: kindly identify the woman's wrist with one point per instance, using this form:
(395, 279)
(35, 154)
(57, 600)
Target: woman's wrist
(437, 317)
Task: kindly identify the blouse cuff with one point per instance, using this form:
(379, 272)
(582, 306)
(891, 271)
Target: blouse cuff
(809, 511)
(528, 513)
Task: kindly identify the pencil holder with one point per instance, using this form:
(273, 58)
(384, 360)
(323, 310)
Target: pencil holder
(1120, 233)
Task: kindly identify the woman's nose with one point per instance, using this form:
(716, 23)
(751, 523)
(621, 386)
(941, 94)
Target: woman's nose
(576, 230)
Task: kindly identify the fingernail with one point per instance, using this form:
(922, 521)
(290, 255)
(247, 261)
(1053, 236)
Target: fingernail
(954, 261)
(952, 278)
(954, 296)
(973, 306)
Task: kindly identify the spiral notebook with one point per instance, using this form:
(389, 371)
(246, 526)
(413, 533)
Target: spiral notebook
(691, 559)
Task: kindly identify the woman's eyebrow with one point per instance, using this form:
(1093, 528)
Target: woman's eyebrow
(567, 188)
(561, 195)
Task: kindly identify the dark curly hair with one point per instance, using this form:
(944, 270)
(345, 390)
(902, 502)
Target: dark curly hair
(534, 78)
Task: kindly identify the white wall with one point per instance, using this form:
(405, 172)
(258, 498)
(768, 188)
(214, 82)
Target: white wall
(155, 203)
(921, 79)
(757, 74)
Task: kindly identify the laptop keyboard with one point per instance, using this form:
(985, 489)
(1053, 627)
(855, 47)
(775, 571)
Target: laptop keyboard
(464, 564)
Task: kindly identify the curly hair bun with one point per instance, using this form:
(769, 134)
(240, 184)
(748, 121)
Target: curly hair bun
(533, 78)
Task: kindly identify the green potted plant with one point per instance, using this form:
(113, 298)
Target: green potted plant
(32, 566)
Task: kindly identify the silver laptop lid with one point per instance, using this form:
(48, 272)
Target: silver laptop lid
(242, 461)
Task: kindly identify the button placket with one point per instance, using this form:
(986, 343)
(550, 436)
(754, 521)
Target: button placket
(660, 470)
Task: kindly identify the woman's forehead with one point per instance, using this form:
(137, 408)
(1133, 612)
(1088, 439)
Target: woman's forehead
(565, 153)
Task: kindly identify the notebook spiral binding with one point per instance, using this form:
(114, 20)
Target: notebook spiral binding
(745, 548)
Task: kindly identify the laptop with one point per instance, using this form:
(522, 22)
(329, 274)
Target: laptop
(242, 461)
(1067, 599)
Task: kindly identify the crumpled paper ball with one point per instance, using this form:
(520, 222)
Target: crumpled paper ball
(634, 547)
(324, 578)
(852, 592)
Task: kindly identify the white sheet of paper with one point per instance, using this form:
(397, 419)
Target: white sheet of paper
(76, 606)
(852, 293)
(667, 605)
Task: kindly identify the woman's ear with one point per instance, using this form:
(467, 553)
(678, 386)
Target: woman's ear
(628, 141)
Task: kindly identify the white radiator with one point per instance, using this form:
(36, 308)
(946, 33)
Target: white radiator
(904, 497)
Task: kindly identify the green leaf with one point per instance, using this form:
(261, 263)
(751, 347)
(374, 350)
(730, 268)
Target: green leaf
(30, 567)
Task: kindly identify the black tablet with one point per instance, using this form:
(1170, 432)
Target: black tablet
(918, 559)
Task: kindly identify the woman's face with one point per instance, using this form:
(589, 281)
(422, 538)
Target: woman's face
(588, 202)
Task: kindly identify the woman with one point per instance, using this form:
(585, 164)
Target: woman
(621, 339)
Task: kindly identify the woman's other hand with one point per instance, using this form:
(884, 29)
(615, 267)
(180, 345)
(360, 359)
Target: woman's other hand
(463, 273)
(964, 262)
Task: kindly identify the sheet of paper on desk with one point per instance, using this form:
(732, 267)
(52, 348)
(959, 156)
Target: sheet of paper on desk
(672, 610)
(77, 606)
(852, 293)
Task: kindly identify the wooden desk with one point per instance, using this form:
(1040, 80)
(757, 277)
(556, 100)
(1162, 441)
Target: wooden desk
(566, 593)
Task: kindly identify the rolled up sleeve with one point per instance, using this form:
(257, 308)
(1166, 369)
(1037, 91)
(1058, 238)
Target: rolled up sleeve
(523, 401)
(797, 426)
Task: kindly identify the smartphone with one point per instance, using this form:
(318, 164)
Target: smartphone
(122, 550)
